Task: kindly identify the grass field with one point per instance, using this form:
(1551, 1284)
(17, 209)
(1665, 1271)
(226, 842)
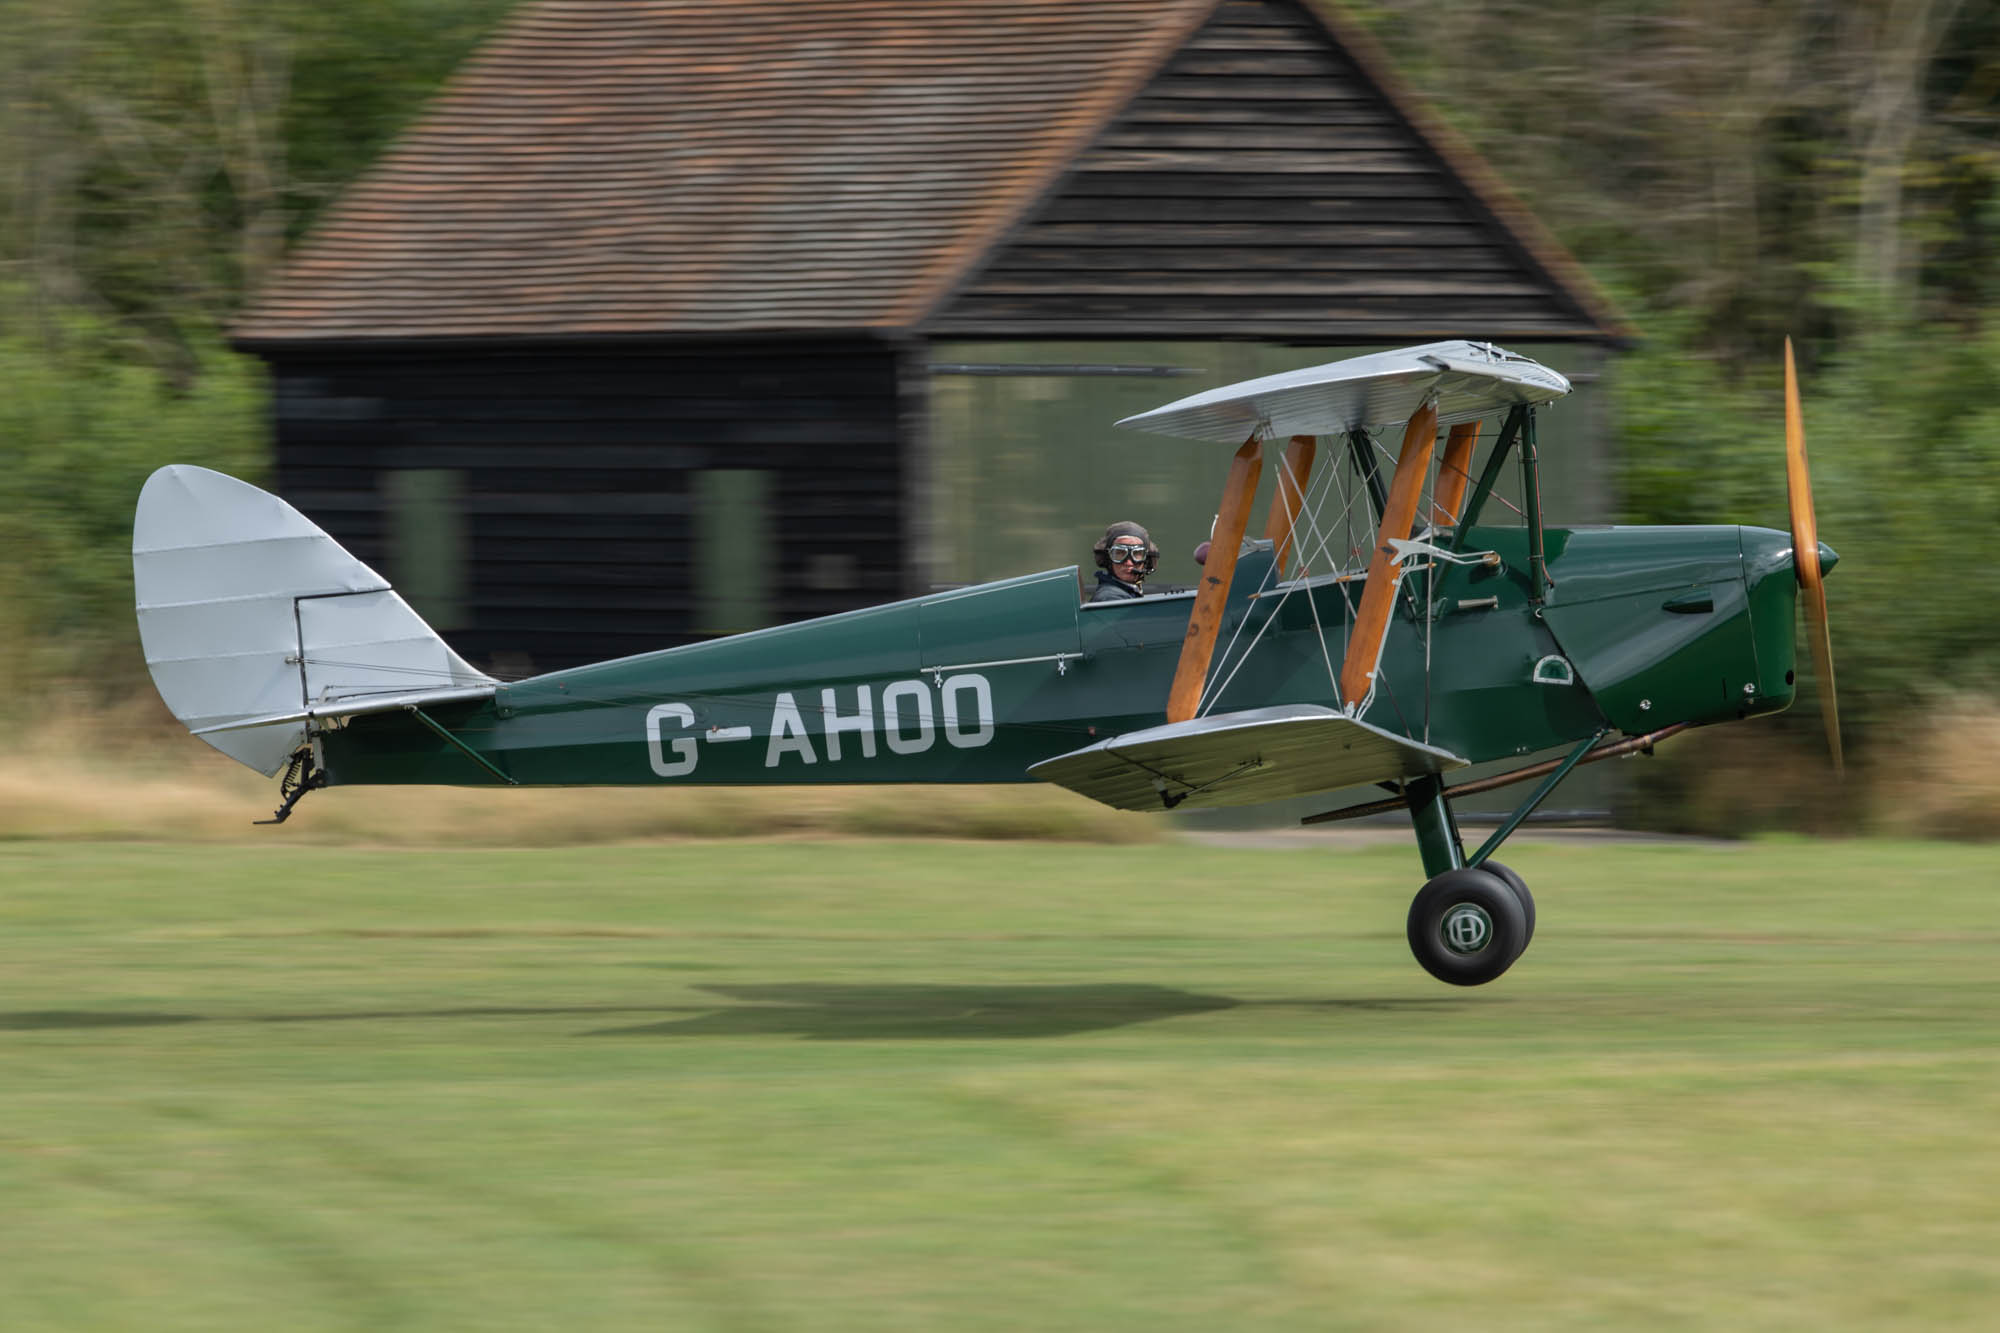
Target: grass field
(878, 1085)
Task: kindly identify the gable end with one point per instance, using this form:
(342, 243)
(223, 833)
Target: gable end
(1265, 185)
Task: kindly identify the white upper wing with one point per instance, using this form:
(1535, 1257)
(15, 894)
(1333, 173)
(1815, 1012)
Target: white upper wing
(1469, 380)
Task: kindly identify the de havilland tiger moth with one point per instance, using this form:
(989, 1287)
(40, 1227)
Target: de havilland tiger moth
(1302, 663)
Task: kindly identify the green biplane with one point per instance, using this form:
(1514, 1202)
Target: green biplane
(1301, 663)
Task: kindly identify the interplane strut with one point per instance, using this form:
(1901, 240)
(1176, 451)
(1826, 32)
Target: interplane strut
(1291, 493)
(1198, 648)
(1385, 573)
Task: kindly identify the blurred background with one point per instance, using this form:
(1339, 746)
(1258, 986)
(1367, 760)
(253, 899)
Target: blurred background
(602, 325)
(539, 395)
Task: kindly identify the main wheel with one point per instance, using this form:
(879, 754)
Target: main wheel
(1467, 927)
(1520, 888)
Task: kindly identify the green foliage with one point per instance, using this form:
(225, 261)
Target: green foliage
(84, 418)
(1696, 443)
(153, 160)
(361, 71)
(1906, 435)
(1903, 434)
(1794, 167)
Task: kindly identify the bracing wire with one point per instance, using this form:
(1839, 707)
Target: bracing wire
(1319, 630)
(1285, 479)
(1337, 476)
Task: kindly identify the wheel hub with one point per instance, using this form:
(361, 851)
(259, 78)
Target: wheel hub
(1466, 928)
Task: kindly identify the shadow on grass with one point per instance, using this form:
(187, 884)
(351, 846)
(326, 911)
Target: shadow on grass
(859, 1013)
(43, 1020)
(856, 1013)
(39, 1020)
(816, 1012)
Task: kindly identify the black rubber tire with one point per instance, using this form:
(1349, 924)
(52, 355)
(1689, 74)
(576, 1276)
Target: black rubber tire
(1520, 888)
(1481, 905)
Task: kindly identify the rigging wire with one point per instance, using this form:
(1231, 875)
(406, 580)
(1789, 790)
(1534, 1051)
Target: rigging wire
(1319, 630)
(1284, 476)
(1210, 694)
(1336, 475)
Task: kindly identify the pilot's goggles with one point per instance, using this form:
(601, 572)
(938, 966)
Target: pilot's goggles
(1124, 553)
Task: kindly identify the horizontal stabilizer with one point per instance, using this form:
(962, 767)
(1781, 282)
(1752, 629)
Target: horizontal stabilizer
(1261, 754)
(357, 706)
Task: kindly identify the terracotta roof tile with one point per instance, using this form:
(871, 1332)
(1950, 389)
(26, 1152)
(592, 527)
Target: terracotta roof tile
(653, 166)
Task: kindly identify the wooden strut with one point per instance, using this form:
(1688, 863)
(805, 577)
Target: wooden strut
(1205, 621)
(1378, 597)
(1287, 499)
(1454, 472)
(1510, 430)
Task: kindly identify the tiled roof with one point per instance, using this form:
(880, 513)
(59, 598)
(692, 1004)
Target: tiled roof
(721, 167)
(643, 166)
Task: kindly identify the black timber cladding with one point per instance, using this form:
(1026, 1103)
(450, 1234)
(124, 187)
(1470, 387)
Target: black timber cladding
(1263, 186)
(514, 295)
(577, 464)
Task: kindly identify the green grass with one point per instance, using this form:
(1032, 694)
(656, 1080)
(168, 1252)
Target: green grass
(924, 1086)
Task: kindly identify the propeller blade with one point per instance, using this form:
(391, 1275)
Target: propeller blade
(1822, 654)
(1798, 482)
(1805, 557)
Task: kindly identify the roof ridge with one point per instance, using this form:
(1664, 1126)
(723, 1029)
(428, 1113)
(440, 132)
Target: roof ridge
(956, 268)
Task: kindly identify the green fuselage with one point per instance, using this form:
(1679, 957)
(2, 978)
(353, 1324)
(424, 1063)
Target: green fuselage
(1640, 628)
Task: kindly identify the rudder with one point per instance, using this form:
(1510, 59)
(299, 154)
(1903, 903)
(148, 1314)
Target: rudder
(251, 618)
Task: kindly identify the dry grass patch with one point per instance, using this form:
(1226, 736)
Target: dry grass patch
(1946, 783)
(1935, 773)
(84, 776)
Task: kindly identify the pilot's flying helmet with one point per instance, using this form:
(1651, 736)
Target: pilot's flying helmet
(1111, 534)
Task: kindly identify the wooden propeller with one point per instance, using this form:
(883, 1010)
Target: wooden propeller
(1805, 557)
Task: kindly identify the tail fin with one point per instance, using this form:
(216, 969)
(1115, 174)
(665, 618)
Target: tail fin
(255, 622)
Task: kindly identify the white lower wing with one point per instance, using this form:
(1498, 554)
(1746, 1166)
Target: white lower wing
(1261, 754)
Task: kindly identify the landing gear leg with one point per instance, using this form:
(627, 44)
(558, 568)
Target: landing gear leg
(1467, 925)
(1437, 829)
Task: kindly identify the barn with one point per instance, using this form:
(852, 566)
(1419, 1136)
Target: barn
(676, 317)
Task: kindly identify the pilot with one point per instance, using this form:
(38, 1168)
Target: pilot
(1125, 556)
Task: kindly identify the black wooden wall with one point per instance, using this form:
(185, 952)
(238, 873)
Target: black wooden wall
(1262, 186)
(577, 466)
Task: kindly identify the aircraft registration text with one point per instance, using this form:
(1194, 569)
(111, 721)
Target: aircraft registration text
(908, 717)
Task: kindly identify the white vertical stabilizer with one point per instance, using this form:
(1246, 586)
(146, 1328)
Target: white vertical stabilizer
(247, 610)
